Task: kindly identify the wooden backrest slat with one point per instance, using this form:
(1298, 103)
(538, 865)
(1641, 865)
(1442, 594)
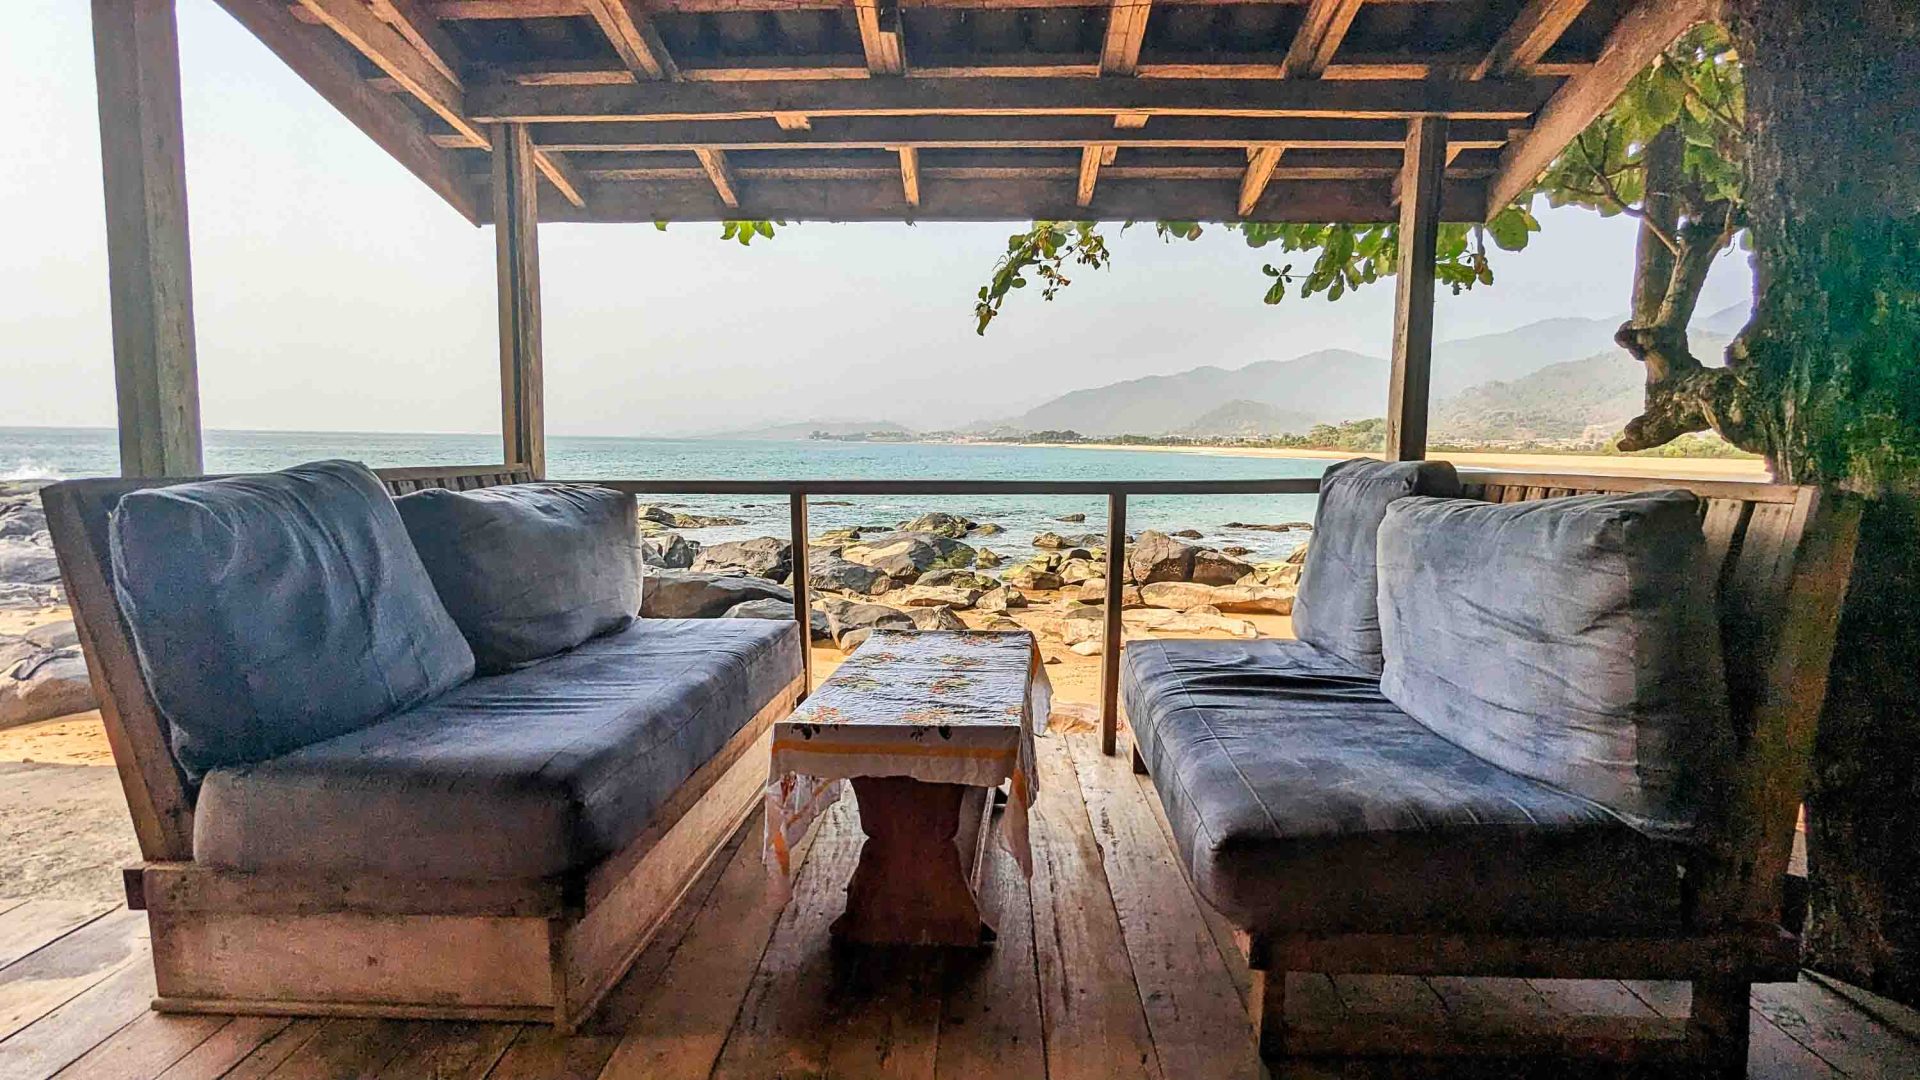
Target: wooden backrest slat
(159, 798)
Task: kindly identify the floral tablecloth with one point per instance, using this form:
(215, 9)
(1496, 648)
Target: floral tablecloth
(942, 706)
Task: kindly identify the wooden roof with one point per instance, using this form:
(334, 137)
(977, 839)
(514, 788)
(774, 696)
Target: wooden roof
(687, 110)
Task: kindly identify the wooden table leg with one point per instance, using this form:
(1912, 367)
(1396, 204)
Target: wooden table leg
(914, 884)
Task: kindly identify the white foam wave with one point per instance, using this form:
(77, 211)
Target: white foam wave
(31, 469)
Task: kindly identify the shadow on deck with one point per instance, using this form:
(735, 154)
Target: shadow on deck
(1106, 967)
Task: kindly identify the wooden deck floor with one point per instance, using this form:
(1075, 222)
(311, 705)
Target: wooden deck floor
(1106, 967)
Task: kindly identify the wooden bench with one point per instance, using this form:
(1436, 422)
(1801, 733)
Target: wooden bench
(232, 942)
(1785, 554)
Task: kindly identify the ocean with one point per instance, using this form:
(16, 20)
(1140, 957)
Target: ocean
(65, 453)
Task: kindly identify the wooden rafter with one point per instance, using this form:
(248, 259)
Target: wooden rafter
(714, 163)
(1321, 30)
(1126, 30)
(1535, 30)
(880, 36)
(1642, 32)
(1259, 172)
(910, 174)
(978, 98)
(633, 37)
(1089, 175)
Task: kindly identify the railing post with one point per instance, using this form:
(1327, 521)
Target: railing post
(1110, 635)
(802, 606)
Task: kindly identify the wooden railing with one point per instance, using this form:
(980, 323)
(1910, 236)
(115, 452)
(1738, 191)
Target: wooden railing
(1114, 491)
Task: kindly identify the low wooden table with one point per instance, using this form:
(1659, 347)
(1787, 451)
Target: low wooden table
(925, 725)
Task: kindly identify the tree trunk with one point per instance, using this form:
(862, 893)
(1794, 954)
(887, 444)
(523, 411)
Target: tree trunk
(1832, 382)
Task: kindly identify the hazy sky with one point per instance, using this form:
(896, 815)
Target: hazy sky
(334, 292)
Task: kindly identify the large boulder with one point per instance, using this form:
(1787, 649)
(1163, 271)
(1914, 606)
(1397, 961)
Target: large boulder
(905, 556)
(669, 550)
(1073, 571)
(1083, 624)
(686, 594)
(987, 557)
(1240, 599)
(21, 516)
(661, 516)
(834, 574)
(1162, 621)
(957, 579)
(846, 620)
(937, 523)
(770, 608)
(763, 556)
(936, 618)
(1155, 556)
(987, 528)
(999, 599)
(1176, 595)
(28, 560)
(1029, 576)
(43, 675)
(917, 596)
(1072, 519)
(1094, 591)
(1218, 568)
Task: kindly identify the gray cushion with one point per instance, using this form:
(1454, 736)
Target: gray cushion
(278, 610)
(1571, 640)
(529, 570)
(539, 771)
(1337, 608)
(1303, 800)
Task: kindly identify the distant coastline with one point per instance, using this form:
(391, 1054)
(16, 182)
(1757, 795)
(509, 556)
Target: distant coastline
(1717, 468)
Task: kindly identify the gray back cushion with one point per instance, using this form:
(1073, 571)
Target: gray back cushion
(275, 611)
(1574, 641)
(529, 570)
(1337, 608)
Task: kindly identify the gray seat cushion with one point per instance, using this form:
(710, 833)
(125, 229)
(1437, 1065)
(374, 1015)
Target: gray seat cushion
(1337, 608)
(278, 610)
(540, 771)
(1571, 640)
(528, 570)
(1303, 800)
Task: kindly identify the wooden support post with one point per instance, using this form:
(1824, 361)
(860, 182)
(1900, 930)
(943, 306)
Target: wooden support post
(1110, 635)
(1267, 1005)
(1421, 175)
(516, 227)
(136, 59)
(802, 603)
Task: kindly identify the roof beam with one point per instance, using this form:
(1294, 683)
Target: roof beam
(1321, 30)
(910, 174)
(1089, 175)
(718, 171)
(1253, 183)
(633, 37)
(1639, 37)
(324, 61)
(1487, 99)
(880, 36)
(1126, 30)
(1009, 132)
(1527, 39)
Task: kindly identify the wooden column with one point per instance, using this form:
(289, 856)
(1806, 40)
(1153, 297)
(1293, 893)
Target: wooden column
(802, 596)
(1421, 176)
(136, 60)
(1111, 630)
(516, 230)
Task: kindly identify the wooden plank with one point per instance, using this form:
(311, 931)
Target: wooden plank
(1126, 31)
(1527, 38)
(1110, 628)
(829, 486)
(516, 216)
(43, 981)
(34, 924)
(541, 1053)
(891, 1001)
(1226, 939)
(1590, 997)
(1410, 378)
(1506, 99)
(1835, 1030)
(67, 1033)
(1259, 171)
(457, 1051)
(171, 887)
(232, 1043)
(990, 1028)
(1096, 1027)
(1759, 953)
(910, 174)
(798, 538)
(348, 1047)
(1089, 175)
(259, 1061)
(714, 162)
(633, 37)
(429, 82)
(790, 1008)
(1196, 1017)
(149, 267)
(1637, 38)
(880, 37)
(1322, 28)
(148, 1046)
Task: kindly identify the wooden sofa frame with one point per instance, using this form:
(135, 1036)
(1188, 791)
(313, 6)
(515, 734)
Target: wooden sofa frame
(544, 949)
(1785, 554)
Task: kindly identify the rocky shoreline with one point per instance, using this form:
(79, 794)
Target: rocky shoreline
(42, 674)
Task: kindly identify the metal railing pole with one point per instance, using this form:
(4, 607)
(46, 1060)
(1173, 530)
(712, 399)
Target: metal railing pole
(802, 606)
(1110, 635)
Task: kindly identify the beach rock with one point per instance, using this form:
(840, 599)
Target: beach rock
(660, 515)
(670, 550)
(763, 556)
(957, 579)
(1050, 540)
(780, 610)
(686, 594)
(1094, 591)
(1240, 599)
(1189, 534)
(1028, 576)
(21, 516)
(1072, 519)
(835, 574)
(1279, 575)
(1236, 550)
(848, 619)
(1001, 623)
(951, 526)
(1000, 598)
(905, 556)
(916, 596)
(18, 597)
(1298, 556)
(1203, 611)
(1176, 595)
(1074, 553)
(987, 528)
(1082, 624)
(936, 618)
(1159, 557)
(1087, 648)
(28, 560)
(1291, 526)
(1218, 568)
(1073, 571)
(840, 536)
(43, 675)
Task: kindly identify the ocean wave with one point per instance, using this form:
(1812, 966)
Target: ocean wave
(30, 469)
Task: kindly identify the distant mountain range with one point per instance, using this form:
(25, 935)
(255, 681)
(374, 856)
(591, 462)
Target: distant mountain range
(805, 428)
(1587, 400)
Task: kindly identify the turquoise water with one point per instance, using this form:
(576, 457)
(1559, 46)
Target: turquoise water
(73, 452)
